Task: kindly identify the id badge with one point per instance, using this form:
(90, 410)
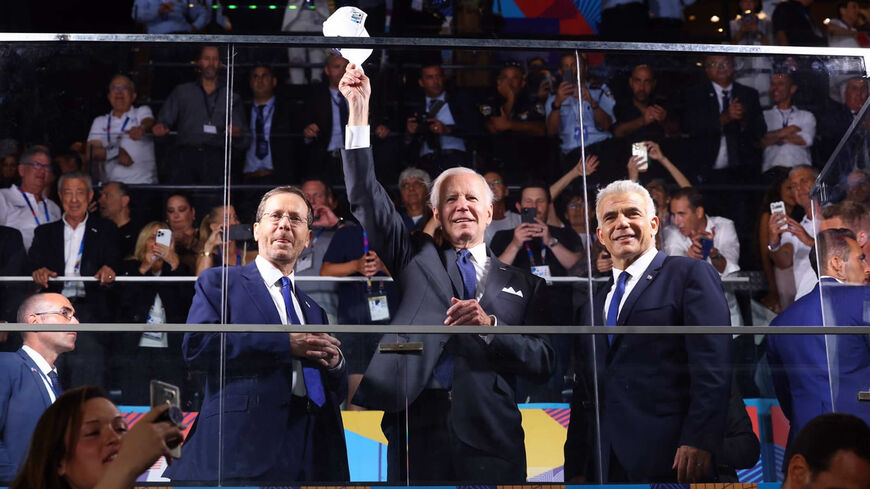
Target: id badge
(378, 308)
(150, 339)
(112, 152)
(543, 271)
(305, 262)
(209, 129)
(577, 133)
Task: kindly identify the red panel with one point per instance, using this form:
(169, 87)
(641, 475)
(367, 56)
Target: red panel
(534, 8)
(576, 26)
(780, 426)
(752, 411)
(561, 9)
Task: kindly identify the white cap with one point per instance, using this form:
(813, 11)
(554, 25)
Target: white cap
(348, 22)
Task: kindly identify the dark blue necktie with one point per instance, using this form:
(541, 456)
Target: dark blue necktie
(444, 368)
(726, 100)
(55, 383)
(613, 310)
(262, 148)
(311, 375)
(342, 112)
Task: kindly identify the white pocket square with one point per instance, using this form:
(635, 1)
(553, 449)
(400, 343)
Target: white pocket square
(510, 290)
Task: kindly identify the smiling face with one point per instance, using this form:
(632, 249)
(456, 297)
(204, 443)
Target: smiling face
(99, 440)
(781, 89)
(625, 228)
(463, 209)
(802, 181)
(720, 70)
(74, 196)
(283, 232)
(121, 94)
(413, 192)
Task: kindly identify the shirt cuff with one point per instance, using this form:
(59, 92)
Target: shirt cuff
(340, 364)
(487, 338)
(356, 137)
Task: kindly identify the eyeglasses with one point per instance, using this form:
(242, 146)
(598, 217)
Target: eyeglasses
(719, 64)
(276, 217)
(493, 183)
(67, 313)
(121, 88)
(575, 205)
(37, 165)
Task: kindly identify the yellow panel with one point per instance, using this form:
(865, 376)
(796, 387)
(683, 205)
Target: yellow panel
(365, 423)
(545, 441)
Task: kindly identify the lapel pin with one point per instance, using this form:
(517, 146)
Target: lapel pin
(649, 277)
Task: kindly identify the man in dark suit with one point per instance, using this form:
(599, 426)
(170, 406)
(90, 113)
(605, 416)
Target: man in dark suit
(661, 400)
(86, 245)
(463, 422)
(13, 261)
(724, 122)
(324, 118)
(281, 391)
(268, 160)
(28, 377)
(800, 364)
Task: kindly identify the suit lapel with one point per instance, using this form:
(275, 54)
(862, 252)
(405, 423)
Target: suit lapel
(448, 256)
(256, 288)
(92, 237)
(57, 237)
(310, 309)
(497, 278)
(643, 282)
(37, 376)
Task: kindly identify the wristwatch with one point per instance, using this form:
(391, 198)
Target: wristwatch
(773, 248)
(553, 242)
(554, 106)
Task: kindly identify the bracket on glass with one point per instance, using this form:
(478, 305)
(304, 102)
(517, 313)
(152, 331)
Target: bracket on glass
(412, 347)
(864, 396)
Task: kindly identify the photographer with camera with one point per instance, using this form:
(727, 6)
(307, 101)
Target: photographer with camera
(440, 122)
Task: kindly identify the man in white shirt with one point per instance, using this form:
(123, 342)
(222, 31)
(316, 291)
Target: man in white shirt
(791, 241)
(790, 130)
(24, 208)
(502, 217)
(120, 141)
(692, 228)
(28, 377)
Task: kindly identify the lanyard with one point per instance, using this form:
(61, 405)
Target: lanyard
(532, 255)
(32, 210)
(78, 264)
(316, 237)
(784, 118)
(366, 252)
(109, 127)
(209, 109)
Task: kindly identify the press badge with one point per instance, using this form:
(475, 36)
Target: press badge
(543, 271)
(209, 129)
(577, 133)
(378, 308)
(112, 152)
(305, 262)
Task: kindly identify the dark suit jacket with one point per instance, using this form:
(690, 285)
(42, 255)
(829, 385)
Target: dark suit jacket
(318, 109)
(280, 142)
(701, 122)
(23, 399)
(655, 392)
(484, 414)
(13, 261)
(465, 115)
(258, 391)
(101, 248)
(800, 364)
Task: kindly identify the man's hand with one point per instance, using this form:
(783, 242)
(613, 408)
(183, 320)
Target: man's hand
(659, 113)
(235, 131)
(324, 217)
(774, 227)
(633, 167)
(604, 262)
(566, 89)
(41, 276)
(524, 232)
(649, 115)
(695, 249)
(500, 122)
(159, 130)
(691, 464)
(357, 89)
(591, 165)
(135, 133)
(165, 8)
(437, 127)
(105, 274)
(369, 264)
(124, 158)
(311, 131)
(800, 233)
(319, 347)
(466, 313)
(735, 110)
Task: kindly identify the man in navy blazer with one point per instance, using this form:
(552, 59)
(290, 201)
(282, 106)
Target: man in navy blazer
(280, 420)
(28, 377)
(800, 364)
(463, 423)
(661, 400)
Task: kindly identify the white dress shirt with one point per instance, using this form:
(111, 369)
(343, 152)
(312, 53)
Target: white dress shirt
(788, 154)
(636, 271)
(72, 243)
(722, 156)
(44, 370)
(15, 213)
(674, 243)
(804, 276)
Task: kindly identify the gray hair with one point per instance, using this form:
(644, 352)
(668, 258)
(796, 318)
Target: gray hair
(30, 305)
(798, 168)
(75, 175)
(36, 149)
(412, 172)
(625, 187)
(435, 194)
(286, 189)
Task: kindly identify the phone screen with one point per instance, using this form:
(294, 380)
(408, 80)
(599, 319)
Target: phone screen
(528, 215)
(162, 393)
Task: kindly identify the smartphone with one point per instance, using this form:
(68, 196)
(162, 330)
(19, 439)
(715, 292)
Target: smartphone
(163, 393)
(639, 149)
(528, 215)
(778, 207)
(164, 237)
(706, 246)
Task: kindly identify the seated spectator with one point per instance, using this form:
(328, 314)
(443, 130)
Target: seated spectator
(268, 160)
(13, 262)
(414, 187)
(80, 244)
(790, 130)
(841, 30)
(791, 241)
(438, 124)
(642, 118)
(563, 112)
(516, 124)
(197, 111)
(858, 186)
(753, 27)
(794, 26)
(805, 366)
(25, 207)
(502, 217)
(168, 17)
(180, 215)
(9, 170)
(28, 377)
(324, 118)
(832, 449)
(120, 148)
(214, 233)
(114, 205)
(348, 254)
(837, 118)
(780, 281)
(83, 442)
(139, 357)
(691, 226)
